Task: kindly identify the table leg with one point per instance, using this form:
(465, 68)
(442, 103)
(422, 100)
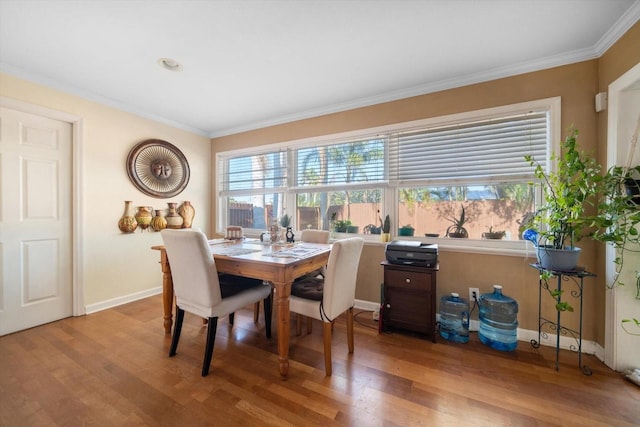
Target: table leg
(284, 326)
(167, 292)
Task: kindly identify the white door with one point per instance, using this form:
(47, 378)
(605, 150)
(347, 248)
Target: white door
(35, 220)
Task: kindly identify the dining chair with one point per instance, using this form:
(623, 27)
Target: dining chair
(311, 236)
(326, 298)
(199, 290)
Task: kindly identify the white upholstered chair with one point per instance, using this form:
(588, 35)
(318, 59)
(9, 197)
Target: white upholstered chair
(311, 236)
(199, 290)
(314, 236)
(327, 298)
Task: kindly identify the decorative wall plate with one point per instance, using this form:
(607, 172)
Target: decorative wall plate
(158, 168)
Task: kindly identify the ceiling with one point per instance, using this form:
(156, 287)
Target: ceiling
(250, 64)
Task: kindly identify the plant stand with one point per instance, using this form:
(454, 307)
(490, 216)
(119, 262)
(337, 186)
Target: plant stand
(544, 324)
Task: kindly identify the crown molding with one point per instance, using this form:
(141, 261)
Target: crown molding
(90, 96)
(622, 25)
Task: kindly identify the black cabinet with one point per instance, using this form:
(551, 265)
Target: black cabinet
(409, 298)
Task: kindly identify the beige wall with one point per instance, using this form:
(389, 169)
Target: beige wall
(577, 84)
(117, 265)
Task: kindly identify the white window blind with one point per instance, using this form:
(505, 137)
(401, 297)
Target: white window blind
(487, 150)
(345, 164)
(255, 173)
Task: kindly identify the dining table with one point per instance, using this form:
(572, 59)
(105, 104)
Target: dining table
(278, 263)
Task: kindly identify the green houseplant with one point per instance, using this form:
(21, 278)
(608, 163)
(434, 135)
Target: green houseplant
(569, 192)
(491, 234)
(406, 230)
(386, 228)
(285, 221)
(341, 225)
(456, 229)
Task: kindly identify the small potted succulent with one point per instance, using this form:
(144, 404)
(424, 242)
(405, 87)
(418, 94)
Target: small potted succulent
(494, 235)
(406, 230)
(386, 228)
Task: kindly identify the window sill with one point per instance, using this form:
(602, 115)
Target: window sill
(516, 248)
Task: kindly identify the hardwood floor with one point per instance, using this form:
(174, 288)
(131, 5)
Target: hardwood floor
(111, 368)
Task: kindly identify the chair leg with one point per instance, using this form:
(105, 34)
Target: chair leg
(299, 318)
(309, 325)
(211, 339)
(176, 331)
(350, 329)
(232, 317)
(256, 312)
(326, 338)
(268, 305)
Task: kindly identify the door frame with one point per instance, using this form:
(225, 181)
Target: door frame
(76, 123)
(628, 81)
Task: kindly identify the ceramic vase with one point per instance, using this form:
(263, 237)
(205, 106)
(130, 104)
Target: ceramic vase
(159, 223)
(127, 222)
(143, 217)
(187, 212)
(174, 220)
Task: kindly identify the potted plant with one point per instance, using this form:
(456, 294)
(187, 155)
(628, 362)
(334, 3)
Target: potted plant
(372, 229)
(568, 193)
(456, 229)
(352, 228)
(386, 228)
(285, 221)
(495, 235)
(406, 230)
(341, 225)
(618, 216)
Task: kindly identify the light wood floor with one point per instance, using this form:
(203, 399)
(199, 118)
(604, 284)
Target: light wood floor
(111, 368)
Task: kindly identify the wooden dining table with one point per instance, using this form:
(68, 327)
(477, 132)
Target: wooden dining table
(279, 264)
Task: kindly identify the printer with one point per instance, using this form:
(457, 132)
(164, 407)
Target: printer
(409, 252)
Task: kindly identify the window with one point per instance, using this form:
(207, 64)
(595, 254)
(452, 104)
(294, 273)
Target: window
(340, 181)
(474, 168)
(421, 173)
(253, 189)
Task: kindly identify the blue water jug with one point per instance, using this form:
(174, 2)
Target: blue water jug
(454, 318)
(498, 320)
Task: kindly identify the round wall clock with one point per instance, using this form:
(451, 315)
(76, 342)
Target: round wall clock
(158, 168)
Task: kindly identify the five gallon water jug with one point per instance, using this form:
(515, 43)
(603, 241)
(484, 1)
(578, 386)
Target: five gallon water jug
(454, 318)
(498, 320)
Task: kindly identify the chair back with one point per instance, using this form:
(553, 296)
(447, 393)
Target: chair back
(315, 236)
(340, 278)
(195, 278)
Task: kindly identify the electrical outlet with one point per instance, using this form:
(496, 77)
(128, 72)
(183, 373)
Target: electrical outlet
(376, 315)
(474, 294)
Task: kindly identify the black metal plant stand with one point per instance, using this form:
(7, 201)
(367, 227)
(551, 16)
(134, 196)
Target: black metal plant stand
(577, 278)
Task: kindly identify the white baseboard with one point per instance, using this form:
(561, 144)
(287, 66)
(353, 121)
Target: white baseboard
(93, 308)
(567, 343)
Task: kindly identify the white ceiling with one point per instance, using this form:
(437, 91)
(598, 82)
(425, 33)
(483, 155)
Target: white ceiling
(249, 64)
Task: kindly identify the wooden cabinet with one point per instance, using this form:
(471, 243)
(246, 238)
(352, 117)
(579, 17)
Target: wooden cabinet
(409, 298)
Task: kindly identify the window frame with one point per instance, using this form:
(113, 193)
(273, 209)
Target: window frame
(390, 189)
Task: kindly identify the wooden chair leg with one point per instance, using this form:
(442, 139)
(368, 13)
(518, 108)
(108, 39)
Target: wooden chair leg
(326, 338)
(232, 317)
(350, 329)
(268, 304)
(256, 312)
(309, 325)
(211, 339)
(299, 324)
(176, 331)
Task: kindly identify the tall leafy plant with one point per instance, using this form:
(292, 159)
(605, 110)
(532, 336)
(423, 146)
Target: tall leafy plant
(569, 192)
